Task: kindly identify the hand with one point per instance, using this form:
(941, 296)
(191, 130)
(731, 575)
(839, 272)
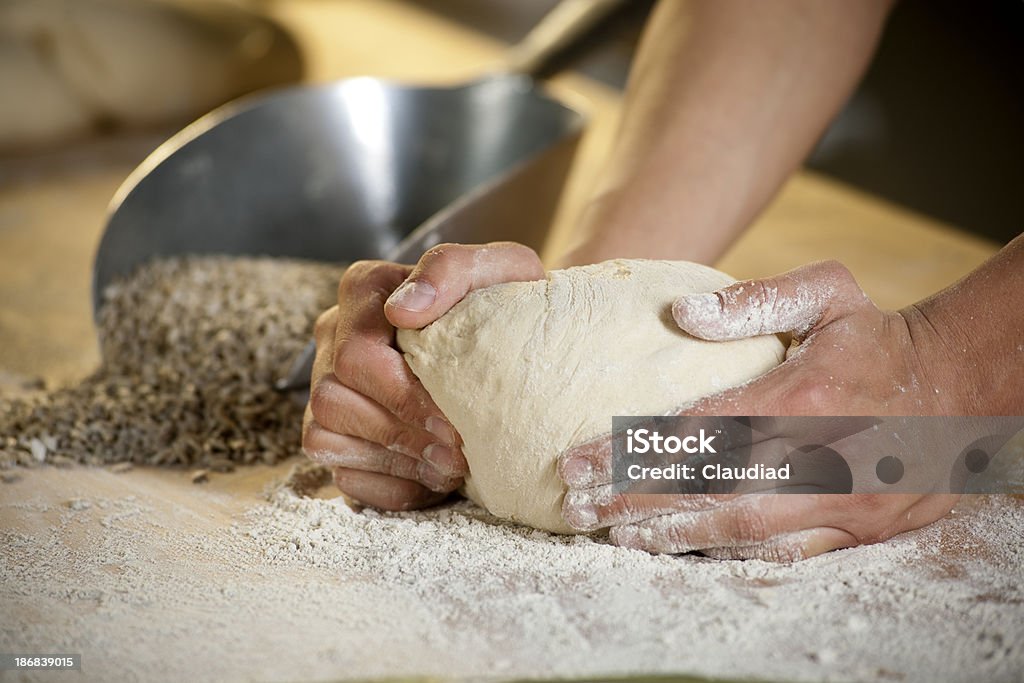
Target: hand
(368, 417)
(848, 358)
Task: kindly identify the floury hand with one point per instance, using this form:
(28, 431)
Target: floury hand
(848, 358)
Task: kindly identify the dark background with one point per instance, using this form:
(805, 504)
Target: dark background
(937, 124)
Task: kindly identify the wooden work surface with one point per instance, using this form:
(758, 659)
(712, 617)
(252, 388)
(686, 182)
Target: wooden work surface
(52, 211)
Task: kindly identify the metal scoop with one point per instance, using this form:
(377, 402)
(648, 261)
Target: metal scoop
(361, 168)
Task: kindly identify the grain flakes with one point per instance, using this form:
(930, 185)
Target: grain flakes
(191, 347)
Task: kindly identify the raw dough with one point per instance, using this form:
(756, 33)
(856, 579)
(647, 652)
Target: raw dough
(525, 370)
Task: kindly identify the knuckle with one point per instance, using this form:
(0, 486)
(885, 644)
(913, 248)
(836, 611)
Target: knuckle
(867, 533)
(864, 505)
(401, 466)
(387, 434)
(439, 253)
(437, 261)
(348, 361)
(325, 322)
(765, 294)
(359, 270)
(808, 395)
(763, 290)
(313, 446)
(517, 250)
(341, 481)
(884, 532)
(871, 536)
(837, 270)
(375, 373)
(367, 274)
(381, 461)
(356, 272)
(323, 402)
(678, 537)
(396, 437)
(873, 517)
(440, 250)
(749, 526)
(309, 426)
(628, 509)
(401, 496)
(843, 282)
(404, 402)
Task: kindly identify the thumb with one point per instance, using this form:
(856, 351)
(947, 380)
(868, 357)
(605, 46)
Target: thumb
(796, 302)
(447, 272)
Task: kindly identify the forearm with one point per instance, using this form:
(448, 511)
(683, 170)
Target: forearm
(972, 337)
(726, 98)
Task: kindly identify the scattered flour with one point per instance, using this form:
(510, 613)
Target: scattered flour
(304, 588)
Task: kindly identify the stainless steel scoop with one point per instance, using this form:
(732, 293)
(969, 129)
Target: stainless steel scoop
(348, 170)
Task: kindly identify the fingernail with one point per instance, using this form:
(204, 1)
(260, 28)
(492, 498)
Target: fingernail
(579, 509)
(413, 296)
(443, 460)
(582, 516)
(577, 471)
(432, 479)
(442, 429)
(700, 306)
(819, 541)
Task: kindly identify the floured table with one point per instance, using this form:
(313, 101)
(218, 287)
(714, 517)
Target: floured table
(150, 576)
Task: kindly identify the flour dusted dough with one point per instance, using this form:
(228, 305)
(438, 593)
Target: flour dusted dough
(525, 370)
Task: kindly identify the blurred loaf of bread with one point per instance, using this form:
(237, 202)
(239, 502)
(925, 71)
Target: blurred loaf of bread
(69, 67)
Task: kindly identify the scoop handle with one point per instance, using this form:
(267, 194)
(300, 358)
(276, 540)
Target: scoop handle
(561, 28)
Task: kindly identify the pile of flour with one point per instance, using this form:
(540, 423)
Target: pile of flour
(500, 598)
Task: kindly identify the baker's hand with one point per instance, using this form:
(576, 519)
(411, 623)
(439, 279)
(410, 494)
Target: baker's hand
(368, 417)
(848, 358)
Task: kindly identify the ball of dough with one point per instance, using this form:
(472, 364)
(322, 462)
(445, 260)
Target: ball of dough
(525, 370)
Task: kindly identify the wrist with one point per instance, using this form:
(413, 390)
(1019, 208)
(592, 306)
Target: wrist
(977, 324)
(631, 223)
(966, 359)
(942, 366)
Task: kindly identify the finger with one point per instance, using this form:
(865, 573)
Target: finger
(363, 356)
(340, 450)
(339, 409)
(792, 302)
(362, 292)
(929, 509)
(791, 547)
(872, 518)
(745, 520)
(335, 405)
(446, 273)
(587, 465)
(599, 507)
(384, 492)
(382, 375)
(323, 336)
